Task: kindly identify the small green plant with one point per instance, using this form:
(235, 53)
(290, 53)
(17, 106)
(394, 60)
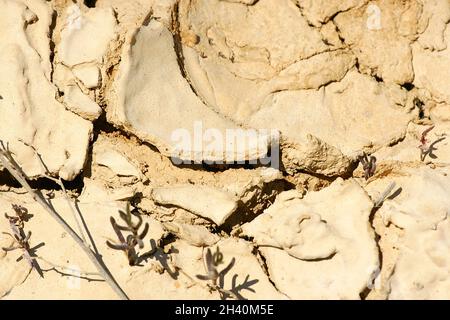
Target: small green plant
(127, 244)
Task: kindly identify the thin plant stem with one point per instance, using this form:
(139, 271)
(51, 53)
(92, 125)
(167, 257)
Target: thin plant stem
(63, 188)
(11, 165)
(384, 195)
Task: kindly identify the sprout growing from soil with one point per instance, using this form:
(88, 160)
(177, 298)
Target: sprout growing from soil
(425, 147)
(10, 164)
(212, 261)
(129, 243)
(369, 165)
(20, 238)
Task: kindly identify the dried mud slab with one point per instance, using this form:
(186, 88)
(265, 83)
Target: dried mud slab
(222, 198)
(432, 24)
(380, 35)
(407, 150)
(79, 58)
(419, 210)
(13, 273)
(341, 124)
(146, 105)
(431, 68)
(73, 49)
(60, 257)
(422, 269)
(28, 101)
(321, 11)
(210, 203)
(303, 239)
(246, 273)
(285, 78)
(133, 100)
(234, 68)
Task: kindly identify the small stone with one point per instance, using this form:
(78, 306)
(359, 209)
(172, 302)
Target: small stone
(210, 203)
(118, 163)
(80, 103)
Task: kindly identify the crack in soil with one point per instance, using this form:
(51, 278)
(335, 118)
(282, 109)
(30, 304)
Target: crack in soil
(263, 263)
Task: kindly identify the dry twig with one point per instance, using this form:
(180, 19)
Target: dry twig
(384, 195)
(14, 168)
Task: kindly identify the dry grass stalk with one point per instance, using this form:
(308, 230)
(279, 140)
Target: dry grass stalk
(14, 168)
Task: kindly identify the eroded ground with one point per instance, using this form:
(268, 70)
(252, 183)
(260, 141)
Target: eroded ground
(96, 91)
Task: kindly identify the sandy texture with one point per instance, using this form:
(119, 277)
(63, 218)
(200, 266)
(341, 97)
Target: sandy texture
(239, 134)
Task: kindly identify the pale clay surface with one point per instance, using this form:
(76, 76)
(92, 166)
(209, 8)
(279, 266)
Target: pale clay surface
(313, 235)
(105, 94)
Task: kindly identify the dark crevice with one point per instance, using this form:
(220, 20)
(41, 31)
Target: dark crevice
(178, 47)
(338, 31)
(261, 257)
(52, 42)
(341, 38)
(265, 268)
(246, 212)
(90, 3)
(101, 125)
(223, 166)
(326, 42)
(331, 256)
(397, 141)
(6, 179)
(299, 8)
(336, 14)
(421, 114)
(147, 19)
(77, 185)
(347, 175)
(408, 86)
(87, 168)
(218, 167)
(378, 78)
(364, 294)
(419, 104)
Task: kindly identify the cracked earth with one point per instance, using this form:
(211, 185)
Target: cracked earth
(96, 89)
